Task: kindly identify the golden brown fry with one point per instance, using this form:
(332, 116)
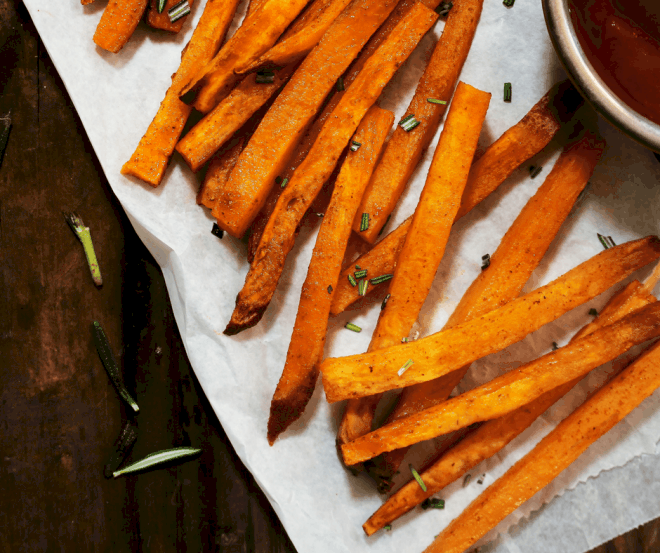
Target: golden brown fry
(118, 23)
(218, 172)
(298, 195)
(553, 454)
(257, 34)
(428, 234)
(152, 155)
(273, 143)
(404, 149)
(513, 389)
(300, 372)
(448, 350)
(295, 48)
(526, 138)
(493, 435)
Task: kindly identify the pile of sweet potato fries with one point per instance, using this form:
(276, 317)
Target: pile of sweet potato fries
(290, 114)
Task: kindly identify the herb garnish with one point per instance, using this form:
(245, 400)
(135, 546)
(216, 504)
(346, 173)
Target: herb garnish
(161, 5)
(158, 458)
(355, 146)
(364, 222)
(180, 10)
(534, 171)
(340, 84)
(352, 280)
(433, 503)
(5, 127)
(329, 288)
(507, 92)
(405, 367)
(606, 241)
(381, 278)
(508, 3)
(382, 305)
(83, 234)
(353, 327)
(485, 261)
(593, 312)
(121, 447)
(110, 363)
(362, 287)
(408, 123)
(360, 274)
(217, 231)
(417, 477)
(285, 181)
(436, 101)
(467, 479)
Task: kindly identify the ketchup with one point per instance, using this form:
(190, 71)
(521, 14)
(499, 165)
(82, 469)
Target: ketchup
(621, 39)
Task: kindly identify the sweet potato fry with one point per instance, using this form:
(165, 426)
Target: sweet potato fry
(513, 389)
(308, 179)
(303, 147)
(427, 237)
(162, 20)
(448, 350)
(218, 172)
(518, 254)
(493, 435)
(526, 138)
(150, 158)
(272, 145)
(553, 454)
(295, 48)
(253, 6)
(300, 373)
(257, 34)
(118, 23)
(209, 134)
(405, 148)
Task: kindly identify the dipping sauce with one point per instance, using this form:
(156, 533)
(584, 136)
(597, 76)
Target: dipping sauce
(621, 39)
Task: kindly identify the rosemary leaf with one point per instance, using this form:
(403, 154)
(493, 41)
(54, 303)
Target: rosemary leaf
(161, 5)
(121, 447)
(85, 237)
(353, 327)
(158, 458)
(417, 477)
(110, 363)
(507, 92)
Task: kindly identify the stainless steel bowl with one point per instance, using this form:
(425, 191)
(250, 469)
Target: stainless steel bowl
(587, 81)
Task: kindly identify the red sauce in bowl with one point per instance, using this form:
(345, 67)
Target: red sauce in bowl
(621, 39)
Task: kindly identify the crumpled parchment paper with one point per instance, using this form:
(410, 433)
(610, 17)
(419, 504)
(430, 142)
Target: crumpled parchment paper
(610, 490)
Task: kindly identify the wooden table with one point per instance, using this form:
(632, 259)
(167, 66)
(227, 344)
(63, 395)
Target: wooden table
(59, 413)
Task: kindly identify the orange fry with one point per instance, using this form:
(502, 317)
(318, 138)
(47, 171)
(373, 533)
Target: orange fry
(162, 20)
(118, 23)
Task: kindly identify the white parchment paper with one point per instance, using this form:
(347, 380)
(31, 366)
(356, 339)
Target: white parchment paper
(320, 503)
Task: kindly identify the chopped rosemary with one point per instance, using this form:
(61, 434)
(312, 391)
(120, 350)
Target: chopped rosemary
(340, 84)
(358, 268)
(121, 447)
(382, 305)
(417, 477)
(285, 181)
(534, 171)
(433, 503)
(381, 278)
(364, 222)
(5, 128)
(329, 288)
(606, 241)
(352, 280)
(355, 146)
(388, 527)
(507, 92)
(405, 367)
(158, 458)
(443, 9)
(264, 77)
(278, 180)
(555, 347)
(360, 274)
(508, 3)
(110, 363)
(408, 123)
(485, 261)
(362, 287)
(405, 340)
(217, 231)
(593, 312)
(180, 10)
(354, 328)
(161, 5)
(383, 227)
(83, 234)
(436, 101)
(467, 479)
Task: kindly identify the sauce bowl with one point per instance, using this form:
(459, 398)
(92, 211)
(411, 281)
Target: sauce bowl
(589, 83)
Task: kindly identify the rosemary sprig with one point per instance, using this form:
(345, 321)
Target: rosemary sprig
(158, 458)
(121, 447)
(83, 234)
(180, 10)
(110, 363)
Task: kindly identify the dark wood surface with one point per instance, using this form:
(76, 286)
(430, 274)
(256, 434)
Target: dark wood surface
(59, 413)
